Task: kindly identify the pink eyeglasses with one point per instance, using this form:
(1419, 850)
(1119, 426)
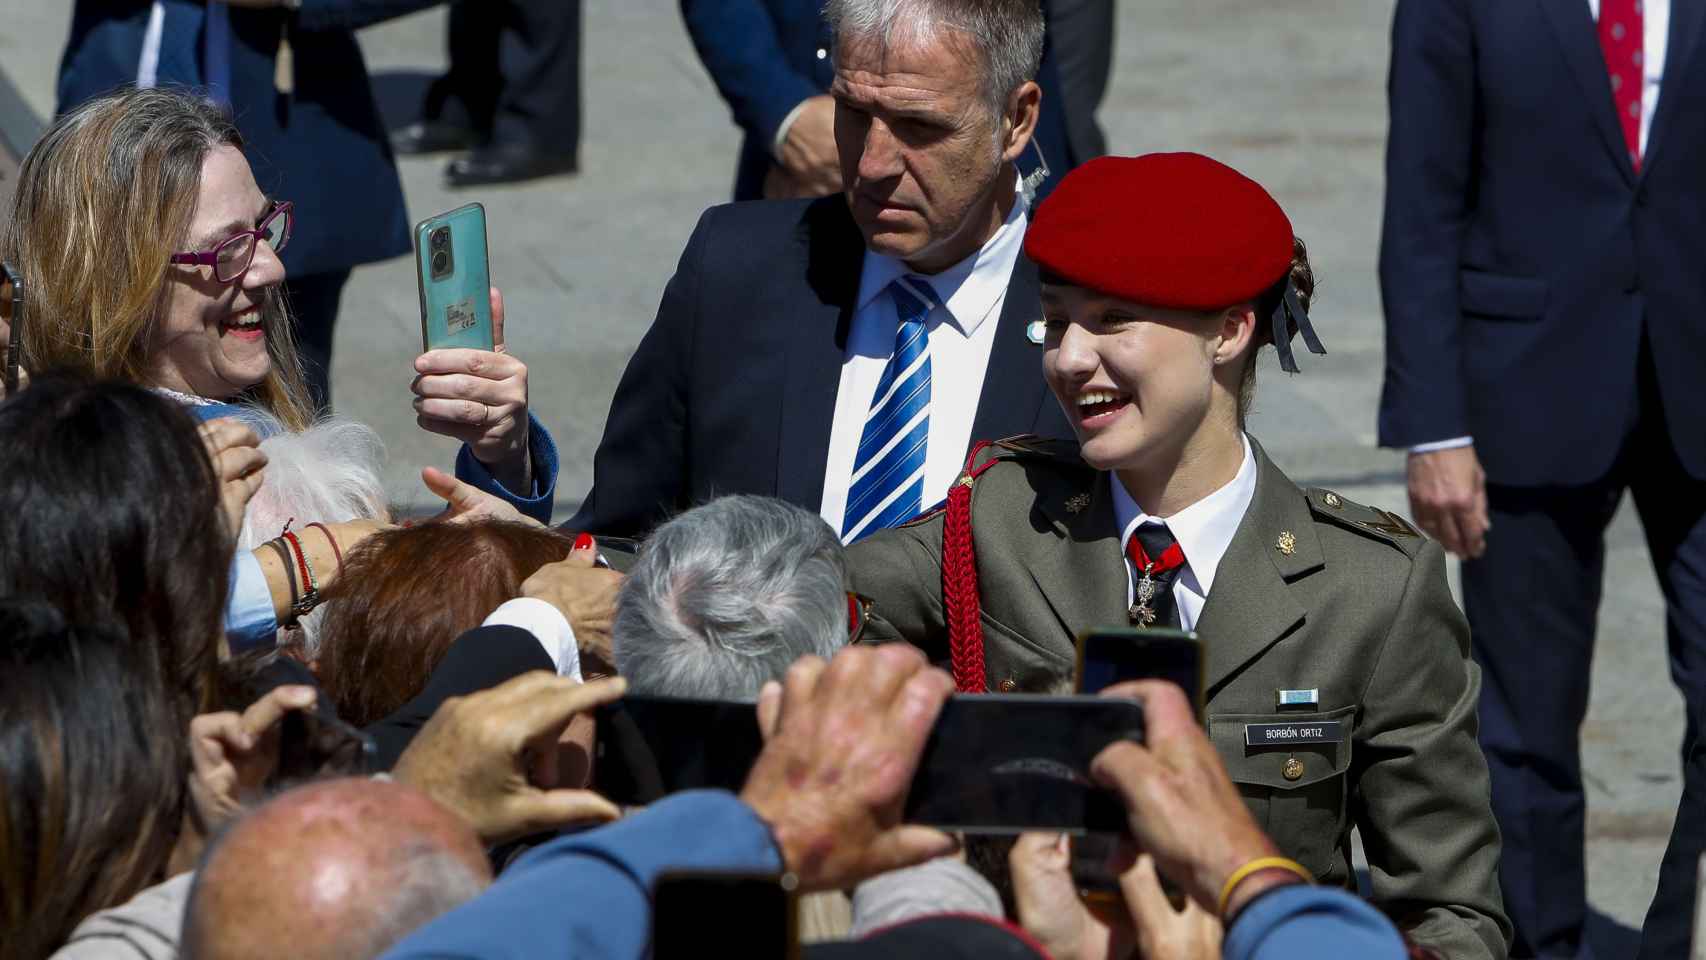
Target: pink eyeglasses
(232, 257)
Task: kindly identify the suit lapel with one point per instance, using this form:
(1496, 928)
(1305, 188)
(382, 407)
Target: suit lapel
(1013, 386)
(1081, 571)
(1573, 25)
(1687, 22)
(815, 345)
(1250, 605)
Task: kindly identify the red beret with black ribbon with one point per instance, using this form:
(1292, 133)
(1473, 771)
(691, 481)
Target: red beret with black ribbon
(1174, 230)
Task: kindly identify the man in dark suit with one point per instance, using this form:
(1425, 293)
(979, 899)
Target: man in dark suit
(1543, 274)
(842, 353)
(512, 96)
(770, 60)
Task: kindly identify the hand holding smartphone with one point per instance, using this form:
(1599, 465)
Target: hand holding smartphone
(994, 763)
(452, 267)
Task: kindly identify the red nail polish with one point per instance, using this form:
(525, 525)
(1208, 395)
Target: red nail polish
(583, 541)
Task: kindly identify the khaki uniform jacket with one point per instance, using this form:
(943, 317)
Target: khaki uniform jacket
(1314, 592)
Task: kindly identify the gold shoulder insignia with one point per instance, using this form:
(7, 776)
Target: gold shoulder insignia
(1337, 509)
(1389, 523)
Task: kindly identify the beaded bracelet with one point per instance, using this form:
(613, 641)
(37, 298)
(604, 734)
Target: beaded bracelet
(1255, 866)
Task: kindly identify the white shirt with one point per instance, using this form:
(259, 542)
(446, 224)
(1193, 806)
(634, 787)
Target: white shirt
(962, 333)
(1655, 41)
(1204, 531)
(548, 626)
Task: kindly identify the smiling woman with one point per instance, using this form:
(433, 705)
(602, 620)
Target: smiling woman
(114, 211)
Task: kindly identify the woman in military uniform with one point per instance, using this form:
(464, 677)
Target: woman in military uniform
(1338, 686)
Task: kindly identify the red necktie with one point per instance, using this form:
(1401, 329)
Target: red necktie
(1621, 41)
(1156, 557)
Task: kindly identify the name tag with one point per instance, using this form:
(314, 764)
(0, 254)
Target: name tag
(1286, 734)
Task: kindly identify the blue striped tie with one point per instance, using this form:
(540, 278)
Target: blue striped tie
(888, 470)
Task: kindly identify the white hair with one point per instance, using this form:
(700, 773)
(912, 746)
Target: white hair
(726, 596)
(329, 473)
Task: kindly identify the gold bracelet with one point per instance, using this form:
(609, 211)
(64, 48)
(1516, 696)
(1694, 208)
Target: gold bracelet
(1255, 866)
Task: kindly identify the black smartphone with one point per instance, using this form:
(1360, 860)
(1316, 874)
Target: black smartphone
(13, 280)
(1113, 656)
(316, 744)
(752, 915)
(995, 763)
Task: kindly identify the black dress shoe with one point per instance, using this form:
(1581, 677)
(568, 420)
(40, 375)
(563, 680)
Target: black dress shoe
(432, 136)
(506, 163)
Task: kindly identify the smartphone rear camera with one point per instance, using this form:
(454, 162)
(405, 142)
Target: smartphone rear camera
(443, 258)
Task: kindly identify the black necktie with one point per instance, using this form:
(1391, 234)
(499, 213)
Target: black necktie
(1156, 561)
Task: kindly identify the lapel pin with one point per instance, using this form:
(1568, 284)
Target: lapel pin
(1332, 500)
(1034, 331)
(1287, 543)
(1077, 502)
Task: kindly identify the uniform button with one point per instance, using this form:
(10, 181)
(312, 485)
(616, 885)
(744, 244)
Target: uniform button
(1007, 686)
(822, 53)
(1293, 769)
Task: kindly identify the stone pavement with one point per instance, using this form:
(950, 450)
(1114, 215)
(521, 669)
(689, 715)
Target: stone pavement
(1292, 93)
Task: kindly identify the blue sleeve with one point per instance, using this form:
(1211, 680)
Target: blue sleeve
(1430, 169)
(738, 42)
(250, 623)
(589, 894)
(1302, 922)
(542, 449)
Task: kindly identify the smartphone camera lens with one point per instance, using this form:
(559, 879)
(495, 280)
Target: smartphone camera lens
(442, 254)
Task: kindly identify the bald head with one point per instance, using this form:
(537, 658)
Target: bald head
(340, 869)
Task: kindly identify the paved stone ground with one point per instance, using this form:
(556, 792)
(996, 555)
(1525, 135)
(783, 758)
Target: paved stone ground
(1293, 93)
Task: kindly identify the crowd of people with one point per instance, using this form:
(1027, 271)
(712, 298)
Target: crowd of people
(245, 711)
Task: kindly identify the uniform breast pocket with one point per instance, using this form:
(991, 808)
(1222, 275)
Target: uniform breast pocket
(1291, 769)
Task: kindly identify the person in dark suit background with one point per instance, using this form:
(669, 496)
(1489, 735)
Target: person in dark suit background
(512, 96)
(1542, 275)
(770, 61)
(787, 322)
(297, 84)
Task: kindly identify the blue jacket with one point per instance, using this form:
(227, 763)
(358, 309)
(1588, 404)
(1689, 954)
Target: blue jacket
(588, 895)
(323, 146)
(765, 56)
(1523, 257)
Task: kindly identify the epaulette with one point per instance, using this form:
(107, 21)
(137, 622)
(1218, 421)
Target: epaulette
(1383, 525)
(1023, 446)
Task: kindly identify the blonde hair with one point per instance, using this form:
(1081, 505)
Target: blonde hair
(102, 202)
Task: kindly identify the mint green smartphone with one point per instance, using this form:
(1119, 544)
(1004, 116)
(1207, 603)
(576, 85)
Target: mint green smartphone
(455, 280)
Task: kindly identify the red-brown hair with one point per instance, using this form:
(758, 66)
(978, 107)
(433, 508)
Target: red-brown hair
(405, 595)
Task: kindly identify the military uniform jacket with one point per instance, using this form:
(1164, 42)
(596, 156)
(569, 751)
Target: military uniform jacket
(1313, 592)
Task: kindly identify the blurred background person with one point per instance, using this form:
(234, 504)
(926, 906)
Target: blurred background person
(1542, 273)
(512, 95)
(772, 62)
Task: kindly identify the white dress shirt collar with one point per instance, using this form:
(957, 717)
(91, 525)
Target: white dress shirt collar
(969, 289)
(1204, 529)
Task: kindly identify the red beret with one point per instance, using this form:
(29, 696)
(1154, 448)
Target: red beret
(1174, 230)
